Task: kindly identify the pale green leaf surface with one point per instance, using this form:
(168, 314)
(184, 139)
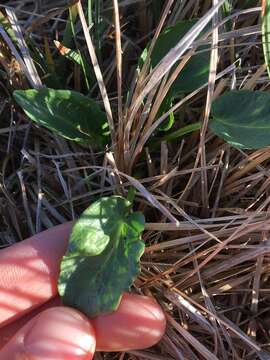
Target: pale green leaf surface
(103, 256)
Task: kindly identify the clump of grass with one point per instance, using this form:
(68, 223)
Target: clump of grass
(206, 202)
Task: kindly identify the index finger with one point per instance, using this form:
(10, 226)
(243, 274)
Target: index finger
(29, 270)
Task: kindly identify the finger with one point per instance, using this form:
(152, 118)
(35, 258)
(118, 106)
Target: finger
(138, 323)
(55, 334)
(30, 270)
(8, 331)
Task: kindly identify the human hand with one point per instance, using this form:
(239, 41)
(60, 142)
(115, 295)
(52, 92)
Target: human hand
(29, 331)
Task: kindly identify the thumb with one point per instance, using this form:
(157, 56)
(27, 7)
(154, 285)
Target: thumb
(58, 333)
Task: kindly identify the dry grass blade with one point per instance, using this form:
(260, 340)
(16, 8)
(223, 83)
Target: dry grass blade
(53, 14)
(29, 63)
(164, 67)
(195, 314)
(227, 323)
(149, 131)
(236, 260)
(118, 50)
(252, 329)
(18, 57)
(25, 203)
(146, 64)
(210, 93)
(97, 70)
(192, 341)
(175, 53)
(152, 200)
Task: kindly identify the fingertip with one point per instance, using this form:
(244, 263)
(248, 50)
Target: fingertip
(56, 334)
(138, 323)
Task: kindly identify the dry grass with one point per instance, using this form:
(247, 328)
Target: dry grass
(206, 203)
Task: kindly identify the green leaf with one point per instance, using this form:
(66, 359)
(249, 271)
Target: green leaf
(7, 26)
(103, 256)
(77, 58)
(68, 53)
(226, 11)
(194, 74)
(196, 71)
(165, 106)
(69, 32)
(266, 33)
(182, 131)
(242, 118)
(67, 113)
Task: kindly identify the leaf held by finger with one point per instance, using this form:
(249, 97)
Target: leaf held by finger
(103, 256)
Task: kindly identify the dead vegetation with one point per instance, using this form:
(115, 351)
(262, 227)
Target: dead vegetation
(206, 203)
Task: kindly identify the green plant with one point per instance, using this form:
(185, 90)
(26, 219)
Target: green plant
(77, 117)
(196, 71)
(67, 113)
(194, 74)
(103, 255)
(242, 118)
(206, 201)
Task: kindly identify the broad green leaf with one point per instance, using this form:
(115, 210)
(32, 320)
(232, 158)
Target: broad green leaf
(242, 118)
(67, 113)
(103, 256)
(196, 71)
(266, 33)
